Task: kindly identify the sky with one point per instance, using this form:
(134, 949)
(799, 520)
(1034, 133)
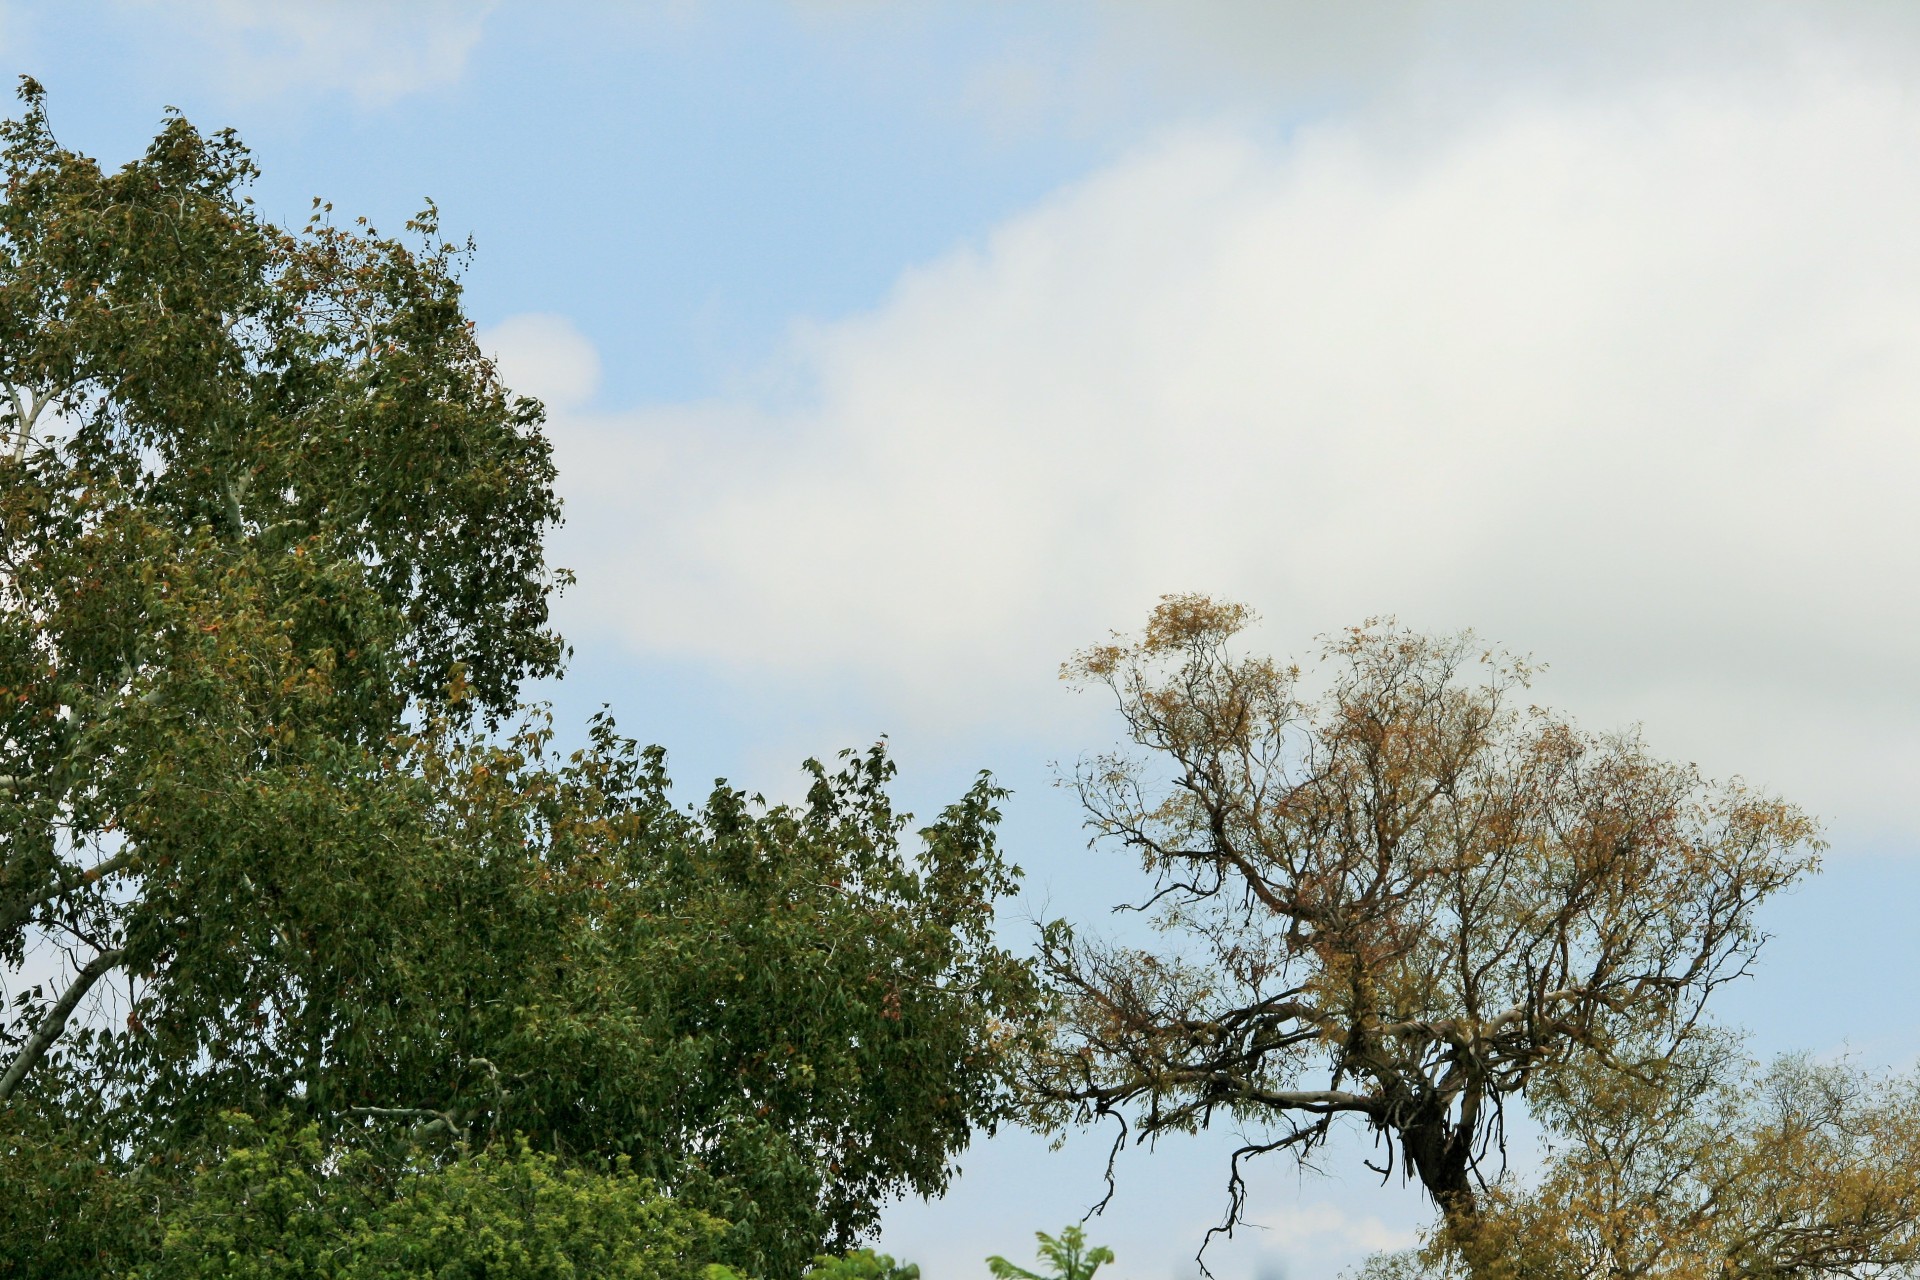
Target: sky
(893, 351)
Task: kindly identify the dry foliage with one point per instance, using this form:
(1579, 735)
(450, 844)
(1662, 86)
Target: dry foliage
(1404, 900)
(1716, 1170)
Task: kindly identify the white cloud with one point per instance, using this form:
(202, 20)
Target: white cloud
(375, 51)
(1630, 380)
(544, 355)
(1105, 68)
(1319, 1228)
(1473, 48)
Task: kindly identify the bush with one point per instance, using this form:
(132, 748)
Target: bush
(279, 1206)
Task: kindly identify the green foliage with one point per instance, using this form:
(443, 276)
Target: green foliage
(70, 1206)
(270, 578)
(781, 1012)
(861, 1264)
(278, 1206)
(1066, 1254)
(315, 392)
(261, 499)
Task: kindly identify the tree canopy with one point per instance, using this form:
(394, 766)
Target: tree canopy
(263, 496)
(281, 846)
(1402, 902)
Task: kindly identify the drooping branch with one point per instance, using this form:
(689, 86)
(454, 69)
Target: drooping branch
(448, 1121)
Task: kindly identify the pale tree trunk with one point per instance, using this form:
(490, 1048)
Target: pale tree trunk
(55, 1021)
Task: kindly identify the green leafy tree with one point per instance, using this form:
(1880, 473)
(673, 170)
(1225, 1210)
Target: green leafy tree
(788, 1014)
(270, 579)
(1067, 1256)
(261, 497)
(71, 1206)
(779, 1014)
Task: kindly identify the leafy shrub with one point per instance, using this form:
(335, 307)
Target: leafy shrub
(1067, 1254)
(278, 1205)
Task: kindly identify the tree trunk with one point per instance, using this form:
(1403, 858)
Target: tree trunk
(1439, 1153)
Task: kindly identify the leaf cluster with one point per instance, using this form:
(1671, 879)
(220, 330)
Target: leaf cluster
(1066, 1255)
(275, 1204)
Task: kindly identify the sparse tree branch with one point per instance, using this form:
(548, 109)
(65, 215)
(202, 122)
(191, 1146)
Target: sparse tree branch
(448, 1122)
(1458, 898)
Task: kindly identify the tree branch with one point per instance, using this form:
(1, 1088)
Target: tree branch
(14, 914)
(26, 414)
(56, 1020)
(448, 1120)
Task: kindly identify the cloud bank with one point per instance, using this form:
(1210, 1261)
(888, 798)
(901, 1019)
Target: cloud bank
(1627, 380)
(1312, 46)
(373, 51)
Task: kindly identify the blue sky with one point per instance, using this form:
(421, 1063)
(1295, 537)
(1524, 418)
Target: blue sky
(680, 185)
(895, 350)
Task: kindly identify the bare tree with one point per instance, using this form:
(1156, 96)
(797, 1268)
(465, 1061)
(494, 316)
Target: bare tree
(1403, 901)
